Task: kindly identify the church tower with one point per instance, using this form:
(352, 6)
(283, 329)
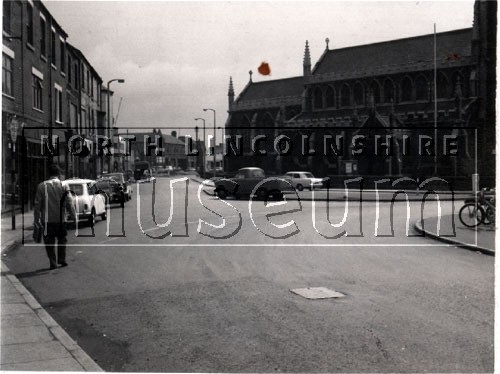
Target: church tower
(484, 52)
(484, 78)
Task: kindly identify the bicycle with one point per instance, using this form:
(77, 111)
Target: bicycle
(478, 210)
(488, 205)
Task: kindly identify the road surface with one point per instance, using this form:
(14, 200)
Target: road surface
(220, 301)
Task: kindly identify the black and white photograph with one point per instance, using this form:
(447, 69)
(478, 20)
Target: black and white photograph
(248, 186)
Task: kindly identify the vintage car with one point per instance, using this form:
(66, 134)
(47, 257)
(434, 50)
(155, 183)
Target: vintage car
(89, 203)
(112, 190)
(122, 180)
(304, 179)
(246, 181)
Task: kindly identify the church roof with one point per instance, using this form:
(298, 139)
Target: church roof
(273, 89)
(451, 45)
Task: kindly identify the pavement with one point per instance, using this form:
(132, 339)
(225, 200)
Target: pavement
(31, 340)
(479, 239)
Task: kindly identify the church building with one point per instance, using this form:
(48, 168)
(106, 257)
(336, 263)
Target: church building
(419, 107)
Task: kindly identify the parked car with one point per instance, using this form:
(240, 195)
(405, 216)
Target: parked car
(111, 190)
(245, 182)
(88, 202)
(122, 180)
(304, 179)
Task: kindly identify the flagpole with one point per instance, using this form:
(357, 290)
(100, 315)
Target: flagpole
(435, 104)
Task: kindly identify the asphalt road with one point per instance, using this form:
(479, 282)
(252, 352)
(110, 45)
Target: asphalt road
(221, 301)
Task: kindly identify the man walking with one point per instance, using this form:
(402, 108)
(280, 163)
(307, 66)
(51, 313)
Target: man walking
(52, 204)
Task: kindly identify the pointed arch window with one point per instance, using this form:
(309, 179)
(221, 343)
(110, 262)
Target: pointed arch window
(359, 95)
(245, 131)
(345, 95)
(375, 89)
(421, 88)
(388, 91)
(458, 83)
(267, 129)
(318, 98)
(443, 86)
(406, 89)
(330, 97)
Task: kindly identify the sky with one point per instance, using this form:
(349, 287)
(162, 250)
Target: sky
(177, 57)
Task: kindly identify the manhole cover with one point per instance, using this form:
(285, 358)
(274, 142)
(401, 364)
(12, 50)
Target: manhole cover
(317, 293)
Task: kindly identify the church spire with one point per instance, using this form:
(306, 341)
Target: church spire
(307, 60)
(230, 93)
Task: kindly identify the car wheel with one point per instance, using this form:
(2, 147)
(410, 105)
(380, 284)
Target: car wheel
(299, 187)
(104, 216)
(221, 193)
(92, 218)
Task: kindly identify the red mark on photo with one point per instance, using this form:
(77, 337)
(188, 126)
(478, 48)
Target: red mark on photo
(265, 69)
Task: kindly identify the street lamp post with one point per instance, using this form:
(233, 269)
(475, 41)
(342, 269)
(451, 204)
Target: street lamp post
(119, 80)
(196, 129)
(204, 139)
(223, 145)
(13, 127)
(215, 137)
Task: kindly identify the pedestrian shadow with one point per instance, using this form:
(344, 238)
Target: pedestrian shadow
(34, 273)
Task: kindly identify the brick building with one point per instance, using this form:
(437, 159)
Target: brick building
(49, 89)
(373, 91)
(86, 115)
(33, 88)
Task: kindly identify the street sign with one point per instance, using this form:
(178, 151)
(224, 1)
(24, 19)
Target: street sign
(13, 128)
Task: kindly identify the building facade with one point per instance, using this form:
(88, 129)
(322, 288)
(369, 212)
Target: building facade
(50, 93)
(384, 110)
(33, 91)
(86, 115)
(159, 149)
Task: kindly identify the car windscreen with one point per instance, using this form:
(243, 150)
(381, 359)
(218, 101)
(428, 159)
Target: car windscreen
(308, 175)
(102, 185)
(76, 188)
